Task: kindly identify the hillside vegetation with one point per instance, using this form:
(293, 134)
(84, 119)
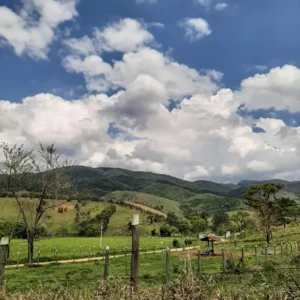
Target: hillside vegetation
(98, 182)
(162, 204)
(61, 224)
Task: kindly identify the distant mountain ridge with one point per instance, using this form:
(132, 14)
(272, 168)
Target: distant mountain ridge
(99, 182)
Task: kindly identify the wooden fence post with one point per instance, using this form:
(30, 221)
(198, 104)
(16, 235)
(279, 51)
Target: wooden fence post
(19, 254)
(224, 260)
(4, 254)
(39, 255)
(274, 250)
(106, 263)
(134, 278)
(291, 247)
(281, 250)
(73, 255)
(167, 265)
(256, 255)
(199, 262)
(243, 255)
(266, 252)
(286, 249)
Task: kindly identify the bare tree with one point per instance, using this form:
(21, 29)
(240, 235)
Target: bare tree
(44, 175)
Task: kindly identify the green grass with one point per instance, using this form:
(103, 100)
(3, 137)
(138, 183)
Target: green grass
(152, 271)
(147, 200)
(84, 247)
(55, 221)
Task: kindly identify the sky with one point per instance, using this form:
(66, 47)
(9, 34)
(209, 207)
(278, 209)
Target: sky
(197, 89)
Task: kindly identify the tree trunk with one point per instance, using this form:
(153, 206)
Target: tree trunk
(268, 237)
(30, 241)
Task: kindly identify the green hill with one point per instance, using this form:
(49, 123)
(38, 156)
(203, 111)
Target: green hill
(56, 223)
(159, 203)
(210, 204)
(99, 182)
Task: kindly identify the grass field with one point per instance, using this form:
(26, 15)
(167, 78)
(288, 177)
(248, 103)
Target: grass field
(55, 222)
(84, 247)
(152, 271)
(147, 200)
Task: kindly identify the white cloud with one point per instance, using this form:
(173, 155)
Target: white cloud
(146, 1)
(229, 169)
(205, 3)
(178, 80)
(28, 35)
(258, 68)
(195, 28)
(221, 6)
(198, 173)
(259, 166)
(124, 36)
(280, 88)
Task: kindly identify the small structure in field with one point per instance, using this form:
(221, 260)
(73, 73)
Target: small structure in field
(211, 239)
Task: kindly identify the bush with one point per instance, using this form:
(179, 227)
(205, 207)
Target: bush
(165, 231)
(176, 244)
(188, 242)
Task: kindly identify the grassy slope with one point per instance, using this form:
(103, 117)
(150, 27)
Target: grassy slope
(54, 220)
(147, 200)
(210, 204)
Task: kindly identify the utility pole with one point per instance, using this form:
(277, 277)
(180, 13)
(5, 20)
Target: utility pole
(101, 234)
(134, 277)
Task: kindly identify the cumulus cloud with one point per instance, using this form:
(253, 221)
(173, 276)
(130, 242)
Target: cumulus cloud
(124, 36)
(27, 34)
(203, 137)
(178, 80)
(258, 166)
(195, 28)
(279, 89)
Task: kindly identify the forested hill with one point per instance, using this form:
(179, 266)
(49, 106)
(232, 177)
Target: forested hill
(98, 182)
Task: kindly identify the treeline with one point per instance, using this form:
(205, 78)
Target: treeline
(35, 195)
(92, 227)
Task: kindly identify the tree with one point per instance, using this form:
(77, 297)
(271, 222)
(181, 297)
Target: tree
(173, 220)
(184, 227)
(165, 231)
(198, 224)
(220, 218)
(285, 210)
(240, 219)
(153, 232)
(44, 175)
(205, 215)
(263, 198)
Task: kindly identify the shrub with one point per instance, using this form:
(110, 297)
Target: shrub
(176, 244)
(188, 242)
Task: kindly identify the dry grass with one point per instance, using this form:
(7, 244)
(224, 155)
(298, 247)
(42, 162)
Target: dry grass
(185, 288)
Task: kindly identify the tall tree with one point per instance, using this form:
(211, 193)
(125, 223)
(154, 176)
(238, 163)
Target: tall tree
(240, 218)
(285, 210)
(44, 175)
(264, 199)
(220, 218)
(198, 225)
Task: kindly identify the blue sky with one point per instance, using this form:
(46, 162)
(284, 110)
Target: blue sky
(245, 51)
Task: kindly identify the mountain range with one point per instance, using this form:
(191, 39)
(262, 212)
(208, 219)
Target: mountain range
(99, 182)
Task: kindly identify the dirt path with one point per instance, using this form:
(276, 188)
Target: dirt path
(79, 260)
(146, 208)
